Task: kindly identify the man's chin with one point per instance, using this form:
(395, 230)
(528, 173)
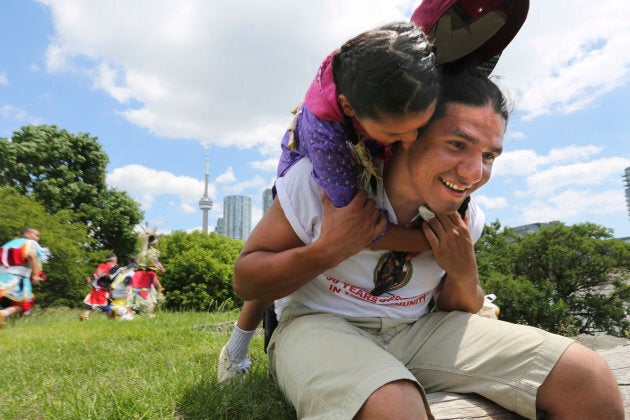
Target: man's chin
(448, 209)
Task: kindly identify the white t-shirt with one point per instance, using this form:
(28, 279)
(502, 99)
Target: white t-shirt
(345, 289)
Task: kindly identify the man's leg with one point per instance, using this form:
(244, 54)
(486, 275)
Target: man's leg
(328, 366)
(466, 353)
(580, 386)
(395, 400)
(6, 313)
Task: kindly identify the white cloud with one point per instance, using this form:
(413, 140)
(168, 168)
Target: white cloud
(597, 172)
(220, 75)
(145, 184)
(574, 206)
(226, 177)
(518, 162)
(526, 161)
(572, 153)
(491, 202)
(3, 79)
(12, 113)
(268, 165)
(568, 54)
(516, 135)
(257, 182)
(56, 59)
(105, 78)
(188, 207)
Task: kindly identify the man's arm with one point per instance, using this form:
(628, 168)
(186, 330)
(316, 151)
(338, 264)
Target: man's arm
(33, 264)
(454, 251)
(274, 262)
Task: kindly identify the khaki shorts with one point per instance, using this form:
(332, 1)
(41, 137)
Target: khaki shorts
(327, 366)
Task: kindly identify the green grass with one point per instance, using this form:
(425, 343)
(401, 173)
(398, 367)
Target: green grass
(55, 367)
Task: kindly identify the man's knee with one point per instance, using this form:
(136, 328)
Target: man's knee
(581, 382)
(399, 399)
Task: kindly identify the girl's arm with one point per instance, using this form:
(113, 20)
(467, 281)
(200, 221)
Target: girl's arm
(406, 239)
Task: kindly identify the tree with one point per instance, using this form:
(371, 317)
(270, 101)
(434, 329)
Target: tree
(199, 270)
(68, 242)
(555, 278)
(59, 169)
(67, 172)
(113, 220)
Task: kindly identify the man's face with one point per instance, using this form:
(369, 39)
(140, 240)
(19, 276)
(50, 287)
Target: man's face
(455, 154)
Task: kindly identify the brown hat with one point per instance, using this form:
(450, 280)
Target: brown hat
(470, 32)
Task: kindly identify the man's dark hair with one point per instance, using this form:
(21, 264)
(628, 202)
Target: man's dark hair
(26, 230)
(470, 87)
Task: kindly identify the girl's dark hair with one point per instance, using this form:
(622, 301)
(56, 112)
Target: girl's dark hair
(388, 71)
(470, 87)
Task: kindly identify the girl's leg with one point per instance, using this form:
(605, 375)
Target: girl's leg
(233, 360)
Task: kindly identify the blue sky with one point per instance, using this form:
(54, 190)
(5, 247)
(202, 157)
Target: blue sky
(163, 83)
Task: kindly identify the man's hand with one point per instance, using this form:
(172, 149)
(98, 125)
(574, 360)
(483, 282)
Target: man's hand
(454, 251)
(35, 279)
(452, 244)
(347, 230)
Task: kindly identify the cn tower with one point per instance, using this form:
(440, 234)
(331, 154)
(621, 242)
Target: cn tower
(205, 204)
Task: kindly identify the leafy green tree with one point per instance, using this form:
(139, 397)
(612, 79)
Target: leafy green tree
(113, 220)
(69, 265)
(199, 270)
(59, 169)
(64, 171)
(555, 278)
(494, 249)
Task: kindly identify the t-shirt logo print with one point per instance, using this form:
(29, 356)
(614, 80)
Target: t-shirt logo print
(393, 271)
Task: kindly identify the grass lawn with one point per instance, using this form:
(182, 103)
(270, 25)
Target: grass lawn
(56, 367)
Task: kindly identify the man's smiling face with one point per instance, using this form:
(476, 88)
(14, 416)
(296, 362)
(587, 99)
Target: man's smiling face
(454, 155)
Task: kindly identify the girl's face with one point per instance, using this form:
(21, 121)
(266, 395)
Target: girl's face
(388, 129)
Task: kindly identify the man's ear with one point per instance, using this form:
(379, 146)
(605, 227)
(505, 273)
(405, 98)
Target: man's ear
(346, 107)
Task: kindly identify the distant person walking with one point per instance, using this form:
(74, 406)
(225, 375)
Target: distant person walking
(145, 283)
(120, 290)
(20, 269)
(98, 298)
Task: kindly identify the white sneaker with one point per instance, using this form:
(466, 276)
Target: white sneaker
(228, 370)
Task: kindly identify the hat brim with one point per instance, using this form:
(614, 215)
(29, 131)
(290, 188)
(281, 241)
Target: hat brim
(464, 41)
